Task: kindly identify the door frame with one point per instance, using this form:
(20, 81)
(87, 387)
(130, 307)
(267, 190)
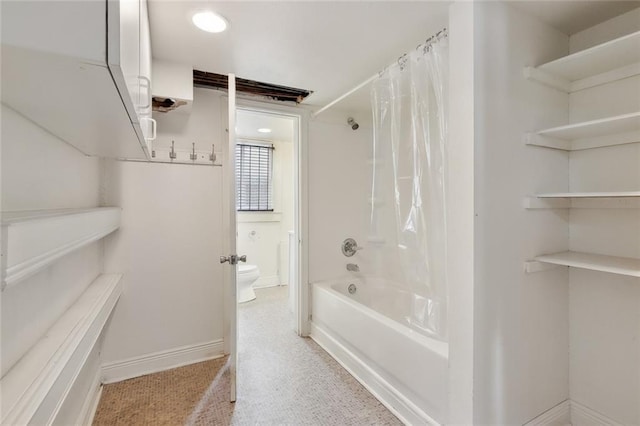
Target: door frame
(303, 323)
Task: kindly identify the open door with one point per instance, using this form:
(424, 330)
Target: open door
(231, 257)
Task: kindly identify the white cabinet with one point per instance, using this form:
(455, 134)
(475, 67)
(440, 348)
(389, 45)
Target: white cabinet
(76, 69)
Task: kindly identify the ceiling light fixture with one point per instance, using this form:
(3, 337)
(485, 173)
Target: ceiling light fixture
(264, 130)
(209, 21)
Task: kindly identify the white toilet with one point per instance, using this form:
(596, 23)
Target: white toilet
(247, 275)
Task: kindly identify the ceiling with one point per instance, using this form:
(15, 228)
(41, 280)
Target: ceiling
(248, 123)
(328, 47)
(573, 16)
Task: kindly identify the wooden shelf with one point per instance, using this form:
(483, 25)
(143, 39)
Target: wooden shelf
(49, 363)
(610, 61)
(618, 130)
(595, 262)
(35, 239)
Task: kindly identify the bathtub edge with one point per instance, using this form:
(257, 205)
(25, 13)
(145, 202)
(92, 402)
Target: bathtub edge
(406, 411)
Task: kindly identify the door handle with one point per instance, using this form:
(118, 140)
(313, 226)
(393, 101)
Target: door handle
(233, 259)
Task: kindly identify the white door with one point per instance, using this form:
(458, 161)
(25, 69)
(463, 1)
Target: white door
(231, 257)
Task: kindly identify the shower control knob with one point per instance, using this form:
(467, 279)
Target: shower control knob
(350, 247)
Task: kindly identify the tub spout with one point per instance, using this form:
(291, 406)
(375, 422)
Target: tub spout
(352, 267)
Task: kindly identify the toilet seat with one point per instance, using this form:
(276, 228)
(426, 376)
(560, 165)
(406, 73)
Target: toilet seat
(244, 269)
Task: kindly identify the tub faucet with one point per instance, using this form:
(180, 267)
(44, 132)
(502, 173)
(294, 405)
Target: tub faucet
(352, 267)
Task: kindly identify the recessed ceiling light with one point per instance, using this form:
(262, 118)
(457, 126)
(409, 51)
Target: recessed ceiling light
(209, 22)
(264, 130)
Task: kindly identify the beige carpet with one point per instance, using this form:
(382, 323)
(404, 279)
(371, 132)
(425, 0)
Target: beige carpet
(166, 398)
(283, 380)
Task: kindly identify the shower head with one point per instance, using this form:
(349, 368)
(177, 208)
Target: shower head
(351, 122)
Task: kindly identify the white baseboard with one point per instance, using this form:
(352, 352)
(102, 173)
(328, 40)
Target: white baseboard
(160, 361)
(560, 415)
(271, 281)
(400, 406)
(584, 416)
(572, 413)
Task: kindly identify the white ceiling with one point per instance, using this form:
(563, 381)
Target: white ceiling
(248, 123)
(573, 16)
(326, 46)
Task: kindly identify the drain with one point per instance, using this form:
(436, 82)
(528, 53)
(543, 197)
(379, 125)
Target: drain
(352, 288)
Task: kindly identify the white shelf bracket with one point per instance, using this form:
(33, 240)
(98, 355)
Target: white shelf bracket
(535, 139)
(533, 266)
(549, 80)
(534, 203)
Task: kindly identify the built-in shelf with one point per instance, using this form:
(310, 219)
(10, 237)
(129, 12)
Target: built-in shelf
(606, 62)
(49, 363)
(618, 130)
(533, 203)
(35, 239)
(595, 262)
(613, 194)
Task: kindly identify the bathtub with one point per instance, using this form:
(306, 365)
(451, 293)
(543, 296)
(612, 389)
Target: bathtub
(405, 369)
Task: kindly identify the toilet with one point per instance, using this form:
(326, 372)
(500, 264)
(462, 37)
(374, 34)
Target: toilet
(247, 275)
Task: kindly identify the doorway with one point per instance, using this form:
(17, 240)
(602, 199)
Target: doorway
(298, 275)
(267, 203)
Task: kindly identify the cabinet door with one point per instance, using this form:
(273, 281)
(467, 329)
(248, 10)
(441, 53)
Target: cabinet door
(123, 46)
(130, 49)
(145, 110)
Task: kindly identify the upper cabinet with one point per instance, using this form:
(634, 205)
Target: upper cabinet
(81, 70)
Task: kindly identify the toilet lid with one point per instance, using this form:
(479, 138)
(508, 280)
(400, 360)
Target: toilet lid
(243, 269)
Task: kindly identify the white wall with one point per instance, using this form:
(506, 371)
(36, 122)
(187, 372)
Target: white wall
(39, 171)
(339, 186)
(460, 218)
(605, 308)
(168, 248)
(521, 329)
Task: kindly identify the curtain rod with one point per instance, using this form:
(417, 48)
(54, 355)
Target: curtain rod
(442, 33)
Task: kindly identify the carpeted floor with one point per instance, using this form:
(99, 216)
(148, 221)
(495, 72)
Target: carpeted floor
(282, 380)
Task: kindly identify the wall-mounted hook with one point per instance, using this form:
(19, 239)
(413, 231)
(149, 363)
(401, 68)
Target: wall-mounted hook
(172, 153)
(193, 155)
(212, 156)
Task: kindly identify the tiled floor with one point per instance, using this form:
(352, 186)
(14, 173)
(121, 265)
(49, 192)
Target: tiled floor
(282, 380)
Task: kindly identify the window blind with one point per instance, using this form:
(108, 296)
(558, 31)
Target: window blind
(254, 164)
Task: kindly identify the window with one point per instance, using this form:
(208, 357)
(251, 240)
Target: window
(254, 164)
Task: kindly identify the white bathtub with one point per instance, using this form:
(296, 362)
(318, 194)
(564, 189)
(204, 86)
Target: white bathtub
(405, 369)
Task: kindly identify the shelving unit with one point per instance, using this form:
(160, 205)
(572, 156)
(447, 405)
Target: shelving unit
(594, 262)
(52, 361)
(601, 64)
(610, 61)
(618, 130)
(35, 239)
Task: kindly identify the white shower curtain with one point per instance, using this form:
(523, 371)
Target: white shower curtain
(408, 217)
